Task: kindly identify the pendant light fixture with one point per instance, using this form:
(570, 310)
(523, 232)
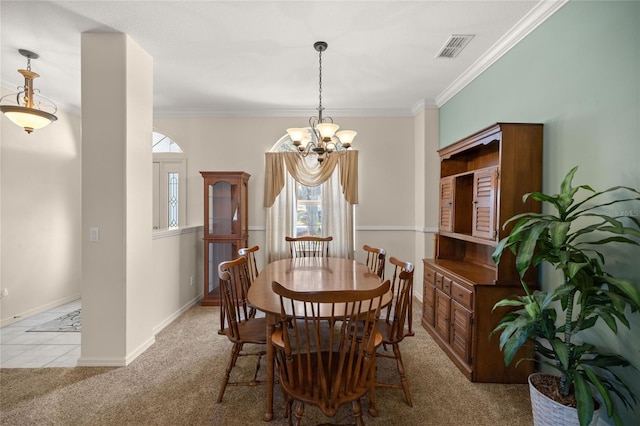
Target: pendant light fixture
(321, 137)
(26, 108)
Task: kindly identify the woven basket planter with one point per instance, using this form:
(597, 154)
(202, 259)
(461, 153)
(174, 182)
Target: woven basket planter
(547, 412)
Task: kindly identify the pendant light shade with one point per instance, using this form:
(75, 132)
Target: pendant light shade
(26, 108)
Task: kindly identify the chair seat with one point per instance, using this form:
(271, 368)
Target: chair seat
(385, 329)
(251, 330)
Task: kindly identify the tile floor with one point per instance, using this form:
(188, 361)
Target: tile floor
(22, 349)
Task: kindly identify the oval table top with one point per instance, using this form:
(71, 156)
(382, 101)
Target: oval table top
(311, 274)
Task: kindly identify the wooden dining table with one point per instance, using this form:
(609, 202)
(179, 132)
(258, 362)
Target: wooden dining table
(304, 274)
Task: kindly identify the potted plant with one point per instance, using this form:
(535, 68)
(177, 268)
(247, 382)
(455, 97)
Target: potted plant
(570, 238)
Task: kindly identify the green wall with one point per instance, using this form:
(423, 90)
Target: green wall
(579, 74)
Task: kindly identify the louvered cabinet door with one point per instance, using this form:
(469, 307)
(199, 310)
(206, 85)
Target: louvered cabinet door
(484, 201)
(442, 314)
(446, 204)
(461, 323)
(428, 297)
(461, 332)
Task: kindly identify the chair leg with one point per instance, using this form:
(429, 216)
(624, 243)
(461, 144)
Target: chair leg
(235, 351)
(373, 410)
(255, 375)
(299, 411)
(356, 407)
(403, 377)
(287, 407)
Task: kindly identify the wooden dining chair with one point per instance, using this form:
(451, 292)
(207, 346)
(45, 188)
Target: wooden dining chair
(309, 246)
(239, 322)
(395, 322)
(326, 347)
(250, 254)
(375, 260)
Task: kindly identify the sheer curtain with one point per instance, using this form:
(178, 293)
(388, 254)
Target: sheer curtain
(337, 217)
(280, 220)
(338, 176)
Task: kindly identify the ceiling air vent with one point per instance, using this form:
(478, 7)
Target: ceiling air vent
(454, 45)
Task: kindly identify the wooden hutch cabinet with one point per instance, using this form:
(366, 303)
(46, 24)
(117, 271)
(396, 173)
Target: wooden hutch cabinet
(225, 225)
(482, 180)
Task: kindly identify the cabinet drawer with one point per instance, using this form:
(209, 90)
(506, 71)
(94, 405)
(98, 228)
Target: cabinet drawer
(438, 280)
(446, 285)
(429, 276)
(461, 295)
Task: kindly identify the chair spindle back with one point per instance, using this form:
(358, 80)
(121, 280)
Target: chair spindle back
(325, 349)
(234, 286)
(375, 260)
(309, 246)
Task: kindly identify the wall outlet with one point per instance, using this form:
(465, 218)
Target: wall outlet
(192, 280)
(4, 293)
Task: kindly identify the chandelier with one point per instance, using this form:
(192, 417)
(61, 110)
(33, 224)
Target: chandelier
(28, 110)
(321, 137)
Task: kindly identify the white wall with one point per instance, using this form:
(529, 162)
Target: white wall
(177, 257)
(40, 216)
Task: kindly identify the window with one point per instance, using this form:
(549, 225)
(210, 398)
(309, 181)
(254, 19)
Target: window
(308, 210)
(169, 169)
(173, 199)
(317, 207)
(163, 143)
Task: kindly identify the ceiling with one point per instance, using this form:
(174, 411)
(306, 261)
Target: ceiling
(257, 57)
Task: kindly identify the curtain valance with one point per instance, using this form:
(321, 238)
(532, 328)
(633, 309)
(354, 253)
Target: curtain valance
(295, 164)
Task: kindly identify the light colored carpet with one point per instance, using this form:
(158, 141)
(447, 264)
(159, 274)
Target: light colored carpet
(176, 381)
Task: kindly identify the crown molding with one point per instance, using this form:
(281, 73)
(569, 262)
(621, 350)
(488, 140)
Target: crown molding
(422, 105)
(540, 13)
(333, 112)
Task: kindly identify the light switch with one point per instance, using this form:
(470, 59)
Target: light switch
(94, 234)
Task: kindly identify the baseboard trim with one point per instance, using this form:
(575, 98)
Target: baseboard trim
(158, 328)
(38, 310)
(100, 362)
(116, 362)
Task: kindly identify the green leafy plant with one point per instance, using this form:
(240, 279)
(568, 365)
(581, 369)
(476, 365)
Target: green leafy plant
(570, 239)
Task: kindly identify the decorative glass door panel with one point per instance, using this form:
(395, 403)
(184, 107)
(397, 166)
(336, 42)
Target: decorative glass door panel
(223, 209)
(216, 253)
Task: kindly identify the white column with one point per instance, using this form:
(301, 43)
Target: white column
(427, 171)
(117, 123)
